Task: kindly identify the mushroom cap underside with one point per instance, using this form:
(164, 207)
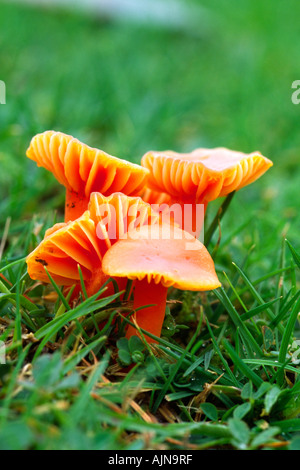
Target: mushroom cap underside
(85, 240)
(162, 254)
(204, 174)
(64, 247)
(84, 169)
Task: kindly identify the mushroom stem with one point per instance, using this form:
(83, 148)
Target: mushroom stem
(150, 318)
(189, 216)
(94, 284)
(76, 205)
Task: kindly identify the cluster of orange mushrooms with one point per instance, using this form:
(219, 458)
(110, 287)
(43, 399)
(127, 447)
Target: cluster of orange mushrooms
(112, 230)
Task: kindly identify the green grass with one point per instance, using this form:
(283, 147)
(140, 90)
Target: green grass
(225, 373)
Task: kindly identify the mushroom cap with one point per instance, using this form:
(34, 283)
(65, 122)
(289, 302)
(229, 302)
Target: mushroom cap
(117, 214)
(85, 240)
(124, 213)
(84, 169)
(155, 197)
(204, 174)
(162, 254)
(64, 247)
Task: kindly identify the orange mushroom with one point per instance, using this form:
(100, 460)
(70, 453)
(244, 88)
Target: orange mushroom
(84, 241)
(157, 257)
(196, 178)
(83, 170)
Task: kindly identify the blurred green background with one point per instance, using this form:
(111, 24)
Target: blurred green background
(223, 78)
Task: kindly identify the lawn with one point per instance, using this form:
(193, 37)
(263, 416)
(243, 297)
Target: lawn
(225, 373)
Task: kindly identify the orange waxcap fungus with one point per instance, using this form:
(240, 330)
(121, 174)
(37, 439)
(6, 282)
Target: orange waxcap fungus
(155, 197)
(85, 240)
(204, 174)
(162, 254)
(157, 257)
(120, 214)
(64, 247)
(83, 170)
